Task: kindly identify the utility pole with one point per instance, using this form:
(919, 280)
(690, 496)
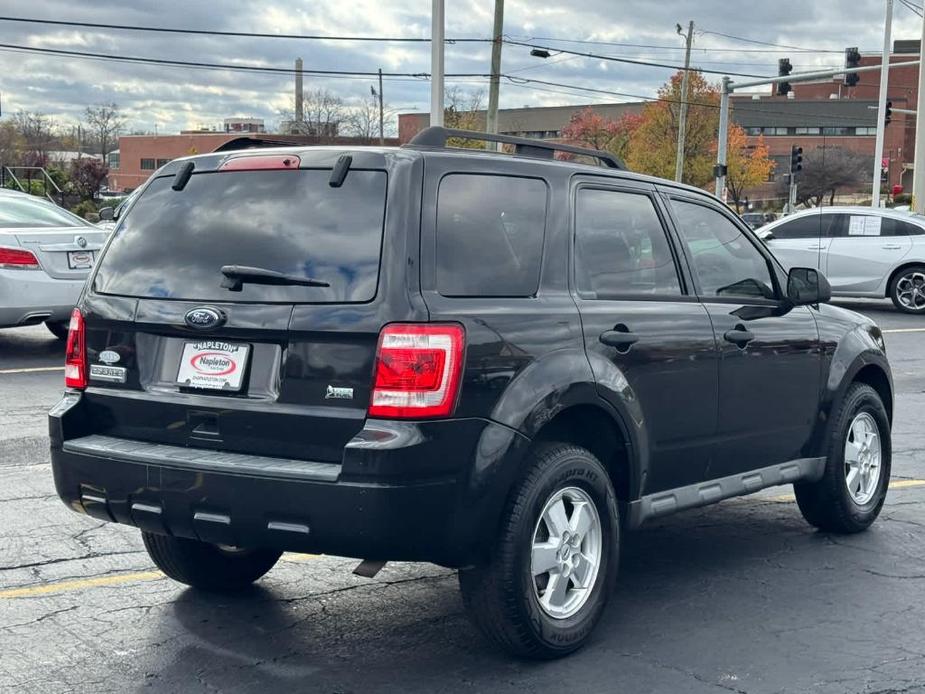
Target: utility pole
(436, 62)
(682, 120)
(723, 140)
(494, 85)
(881, 108)
(918, 174)
(299, 113)
(381, 113)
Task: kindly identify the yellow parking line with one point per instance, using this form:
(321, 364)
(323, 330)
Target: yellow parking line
(81, 584)
(110, 580)
(895, 484)
(32, 370)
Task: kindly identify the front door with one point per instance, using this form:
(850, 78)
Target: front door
(770, 369)
(799, 241)
(638, 316)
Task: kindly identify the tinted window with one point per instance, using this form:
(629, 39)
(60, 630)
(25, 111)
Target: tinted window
(897, 227)
(489, 235)
(25, 212)
(621, 247)
(725, 261)
(174, 244)
(799, 228)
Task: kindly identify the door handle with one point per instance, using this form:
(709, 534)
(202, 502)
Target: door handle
(620, 337)
(739, 337)
(817, 248)
(891, 247)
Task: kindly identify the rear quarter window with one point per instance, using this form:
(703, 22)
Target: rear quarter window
(490, 232)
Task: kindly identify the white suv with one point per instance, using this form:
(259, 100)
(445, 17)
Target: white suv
(862, 251)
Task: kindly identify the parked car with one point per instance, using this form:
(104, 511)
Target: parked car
(756, 219)
(45, 255)
(495, 363)
(863, 251)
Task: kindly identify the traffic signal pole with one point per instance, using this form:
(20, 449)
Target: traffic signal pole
(881, 105)
(918, 166)
(436, 62)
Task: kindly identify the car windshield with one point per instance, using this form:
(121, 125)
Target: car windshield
(25, 212)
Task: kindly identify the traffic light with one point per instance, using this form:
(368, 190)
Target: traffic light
(852, 59)
(784, 68)
(796, 159)
(888, 113)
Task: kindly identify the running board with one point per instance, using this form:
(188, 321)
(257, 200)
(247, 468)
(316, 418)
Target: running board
(704, 493)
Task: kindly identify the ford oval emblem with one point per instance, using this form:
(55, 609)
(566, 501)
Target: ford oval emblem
(109, 356)
(204, 318)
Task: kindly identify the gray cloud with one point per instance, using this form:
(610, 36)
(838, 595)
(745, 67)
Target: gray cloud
(176, 98)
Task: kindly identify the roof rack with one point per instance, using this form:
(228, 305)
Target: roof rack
(436, 136)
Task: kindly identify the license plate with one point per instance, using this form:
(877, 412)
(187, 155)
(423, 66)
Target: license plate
(213, 365)
(80, 260)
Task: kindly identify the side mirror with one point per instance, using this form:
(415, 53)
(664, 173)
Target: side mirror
(807, 286)
(107, 214)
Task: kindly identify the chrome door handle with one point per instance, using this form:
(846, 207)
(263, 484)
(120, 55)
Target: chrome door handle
(891, 247)
(817, 248)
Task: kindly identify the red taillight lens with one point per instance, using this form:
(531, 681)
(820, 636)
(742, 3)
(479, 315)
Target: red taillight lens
(18, 259)
(418, 369)
(75, 356)
(251, 162)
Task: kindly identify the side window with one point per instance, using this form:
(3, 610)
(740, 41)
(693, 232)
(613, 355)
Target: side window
(800, 228)
(725, 261)
(621, 247)
(489, 235)
(897, 227)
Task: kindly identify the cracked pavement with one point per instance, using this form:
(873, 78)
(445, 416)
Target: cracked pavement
(738, 597)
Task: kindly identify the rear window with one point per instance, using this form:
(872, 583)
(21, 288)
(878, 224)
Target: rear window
(23, 212)
(489, 235)
(174, 244)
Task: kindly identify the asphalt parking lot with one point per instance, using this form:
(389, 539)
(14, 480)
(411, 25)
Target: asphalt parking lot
(742, 597)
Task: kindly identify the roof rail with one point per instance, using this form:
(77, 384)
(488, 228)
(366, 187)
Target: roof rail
(436, 136)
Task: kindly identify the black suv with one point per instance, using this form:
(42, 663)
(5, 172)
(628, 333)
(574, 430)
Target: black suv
(487, 361)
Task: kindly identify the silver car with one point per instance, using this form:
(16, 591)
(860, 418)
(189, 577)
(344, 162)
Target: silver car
(862, 251)
(45, 255)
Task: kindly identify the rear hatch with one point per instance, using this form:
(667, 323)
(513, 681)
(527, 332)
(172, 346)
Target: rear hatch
(229, 360)
(64, 253)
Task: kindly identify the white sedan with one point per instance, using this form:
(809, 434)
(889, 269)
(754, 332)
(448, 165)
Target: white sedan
(45, 256)
(862, 251)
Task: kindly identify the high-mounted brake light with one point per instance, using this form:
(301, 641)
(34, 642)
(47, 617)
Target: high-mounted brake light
(261, 162)
(17, 259)
(75, 355)
(418, 370)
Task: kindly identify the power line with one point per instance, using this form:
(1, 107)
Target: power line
(676, 48)
(245, 34)
(766, 43)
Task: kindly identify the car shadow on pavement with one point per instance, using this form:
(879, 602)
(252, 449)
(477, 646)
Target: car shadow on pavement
(748, 563)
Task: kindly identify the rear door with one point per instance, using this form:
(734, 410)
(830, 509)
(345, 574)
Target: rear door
(638, 314)
(272, 369)
(863, 250)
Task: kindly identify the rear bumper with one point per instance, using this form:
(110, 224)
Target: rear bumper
(31, 296)
(291, 505)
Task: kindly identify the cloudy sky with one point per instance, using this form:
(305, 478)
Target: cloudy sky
(171, 98)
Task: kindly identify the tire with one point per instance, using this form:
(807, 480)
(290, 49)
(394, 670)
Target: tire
(907, 290)
(207, 566)
(829, 504)
(58, 328)
(502, 596)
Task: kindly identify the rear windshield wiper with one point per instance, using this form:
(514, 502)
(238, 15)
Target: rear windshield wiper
(237, 275)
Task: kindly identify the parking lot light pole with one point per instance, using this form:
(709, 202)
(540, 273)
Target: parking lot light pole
(723, 138)
(881, 105)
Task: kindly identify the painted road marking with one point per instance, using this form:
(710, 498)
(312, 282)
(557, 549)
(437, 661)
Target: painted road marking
(895, 484)
(32, 370)
(110, 580)
(904, 330)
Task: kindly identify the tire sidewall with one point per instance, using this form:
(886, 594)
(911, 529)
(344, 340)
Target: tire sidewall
(576, 469)
(862, 400)
(894, 287)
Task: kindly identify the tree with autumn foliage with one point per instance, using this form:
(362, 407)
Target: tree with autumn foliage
(588, 128)
(747, 165)
(654, 143)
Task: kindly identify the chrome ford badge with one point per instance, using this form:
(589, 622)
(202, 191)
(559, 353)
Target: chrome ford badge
(204, 318)
(108, 356)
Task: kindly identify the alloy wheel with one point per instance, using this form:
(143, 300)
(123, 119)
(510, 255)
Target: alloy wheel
(862, 458)
(910, 291)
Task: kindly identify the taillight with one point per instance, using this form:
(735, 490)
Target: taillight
(418, 369)
(17, 259)
(75, 356)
